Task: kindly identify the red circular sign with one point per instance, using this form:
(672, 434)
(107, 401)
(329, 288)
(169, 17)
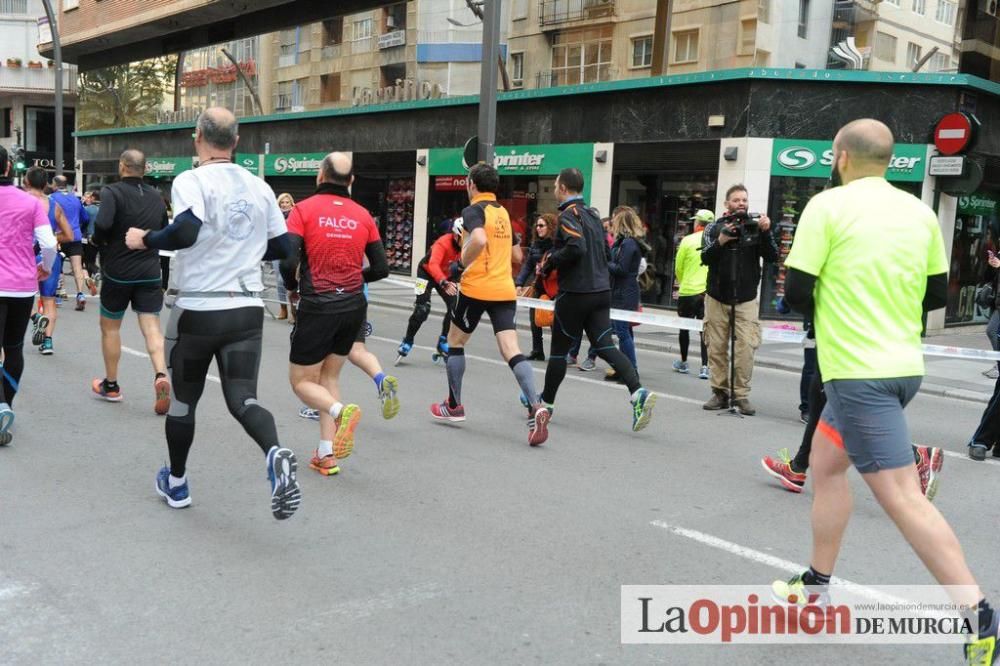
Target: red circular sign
(953, 133)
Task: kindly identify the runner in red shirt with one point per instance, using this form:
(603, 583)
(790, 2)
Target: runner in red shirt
(331, 236)
(432, 275)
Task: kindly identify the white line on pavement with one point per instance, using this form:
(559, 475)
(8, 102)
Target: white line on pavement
(770, 560)
(962, 456)
(586, 380)
(142, 354)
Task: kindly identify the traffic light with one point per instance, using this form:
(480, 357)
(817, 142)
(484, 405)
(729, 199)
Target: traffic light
(20, 164)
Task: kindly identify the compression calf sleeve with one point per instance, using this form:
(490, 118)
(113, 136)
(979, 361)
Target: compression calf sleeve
(259, 424)
(525, 377)
(456, 370)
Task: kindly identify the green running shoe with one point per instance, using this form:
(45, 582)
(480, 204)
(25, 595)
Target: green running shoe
(387, 395)
(642, 409)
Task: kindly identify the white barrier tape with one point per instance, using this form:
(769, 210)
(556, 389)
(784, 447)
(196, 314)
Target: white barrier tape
(774, 335)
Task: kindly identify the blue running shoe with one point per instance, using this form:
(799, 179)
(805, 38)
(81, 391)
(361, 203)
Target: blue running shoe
(176, 498)
(442, 346)
(642, 409)
(405, 347)
(45, 349)
(285, 491)
(6, 417)
(309, 413)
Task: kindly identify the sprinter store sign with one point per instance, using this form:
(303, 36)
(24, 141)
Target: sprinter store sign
(814, 159)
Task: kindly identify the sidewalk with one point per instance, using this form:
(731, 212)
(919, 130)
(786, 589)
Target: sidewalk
(952, 378)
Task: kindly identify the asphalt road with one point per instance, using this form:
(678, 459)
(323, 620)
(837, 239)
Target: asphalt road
(436, 544)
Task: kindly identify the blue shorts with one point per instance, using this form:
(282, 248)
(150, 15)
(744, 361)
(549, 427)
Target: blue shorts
(865, 418)
(50, 285)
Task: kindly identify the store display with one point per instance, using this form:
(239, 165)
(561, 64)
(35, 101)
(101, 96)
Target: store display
(398, 238)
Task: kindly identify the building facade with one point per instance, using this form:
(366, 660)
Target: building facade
(27, 88)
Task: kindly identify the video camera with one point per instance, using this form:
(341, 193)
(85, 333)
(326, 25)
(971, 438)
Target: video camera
(746, 226)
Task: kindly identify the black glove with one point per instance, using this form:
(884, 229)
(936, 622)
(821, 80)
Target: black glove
(455, 270)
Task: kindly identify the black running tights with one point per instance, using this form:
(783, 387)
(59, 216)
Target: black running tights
(233, 339)
(15, 312)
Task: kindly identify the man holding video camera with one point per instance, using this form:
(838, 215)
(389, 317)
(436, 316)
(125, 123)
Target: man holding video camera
(732, 248)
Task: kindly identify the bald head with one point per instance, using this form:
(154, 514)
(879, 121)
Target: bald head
(867, 142)
(218, 128)
(132, 163)
(336, 169)
(60, 182)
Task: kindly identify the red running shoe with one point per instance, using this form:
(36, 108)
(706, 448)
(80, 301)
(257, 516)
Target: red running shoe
(931, 461)
(782, 470)
(442, 412)
(538, 426)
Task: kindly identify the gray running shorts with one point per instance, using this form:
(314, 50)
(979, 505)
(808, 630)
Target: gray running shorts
(865, 417)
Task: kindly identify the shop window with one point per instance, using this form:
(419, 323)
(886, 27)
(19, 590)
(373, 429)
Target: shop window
(582, 56)
(398, 227)
(642, 51)
(517, 70)
(803, 18)
(333, 31)
(946, 11)
(748, 36)
(919, 7)
(764, 11)
(686, 46)
(975, 229)
(912, 54)
(885, 46)
(329, 88)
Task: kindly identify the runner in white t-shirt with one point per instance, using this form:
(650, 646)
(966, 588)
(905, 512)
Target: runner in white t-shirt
(226, 221)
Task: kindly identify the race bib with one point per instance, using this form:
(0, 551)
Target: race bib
(420, 286)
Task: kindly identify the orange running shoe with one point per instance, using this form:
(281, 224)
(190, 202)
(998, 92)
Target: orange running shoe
(343, 440)
(162, 387)
(327, 465)
(781, 469)
(105, 392)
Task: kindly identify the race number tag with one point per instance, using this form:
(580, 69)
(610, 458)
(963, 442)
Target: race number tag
(420, 286)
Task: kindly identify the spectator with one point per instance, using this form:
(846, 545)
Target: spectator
(541, 243)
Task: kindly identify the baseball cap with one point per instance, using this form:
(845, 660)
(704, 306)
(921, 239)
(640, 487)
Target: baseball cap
(704, 216)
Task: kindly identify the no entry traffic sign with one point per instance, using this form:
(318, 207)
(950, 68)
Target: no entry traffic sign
(953, 133)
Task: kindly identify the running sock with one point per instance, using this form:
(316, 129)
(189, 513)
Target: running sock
(158, 375)
(378, 380)
(985, 617)
(325, 448)
(175, 481)
(456, 370)
(525, 376)
(813, 577)
(336, 410)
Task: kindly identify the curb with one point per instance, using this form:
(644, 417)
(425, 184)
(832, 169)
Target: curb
(939, 390)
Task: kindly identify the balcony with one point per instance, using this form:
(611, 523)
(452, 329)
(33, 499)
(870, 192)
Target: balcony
(558, 12)
(591, 74)
(35, 80)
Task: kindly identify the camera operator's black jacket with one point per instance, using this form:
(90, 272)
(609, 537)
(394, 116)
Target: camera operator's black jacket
(719, 260)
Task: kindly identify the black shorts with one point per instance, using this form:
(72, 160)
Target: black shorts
(145, 297)
(72, 248)
(316, 335)
(691, 307)
(468, 312)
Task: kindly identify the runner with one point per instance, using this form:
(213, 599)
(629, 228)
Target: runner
(580, 255)
(23, 222)
(692, 276)
(869, 260)
(130, 277)
(433, 269)
(330, 238)
(44, 323)
(486, 286)
(78, 220)
(226, 223)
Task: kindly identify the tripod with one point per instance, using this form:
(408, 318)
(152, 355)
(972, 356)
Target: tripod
(734, 265)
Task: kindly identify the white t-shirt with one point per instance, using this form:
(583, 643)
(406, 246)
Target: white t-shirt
(239, 214)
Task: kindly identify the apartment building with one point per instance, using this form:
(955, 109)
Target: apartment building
(27, 87)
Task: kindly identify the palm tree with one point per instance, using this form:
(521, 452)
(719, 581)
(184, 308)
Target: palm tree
(124, 95)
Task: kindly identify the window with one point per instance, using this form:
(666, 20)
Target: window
(748, 36)
(517, 69)
(920, 7)
(686, 46)
(283, 98)
(764, 11)
(946, 12)
(333, 31)
(13, 6)
(70, 4)
(642, 51)
(288, 42)
(395, 17)
(940, 62)
(913, 52)
(362, 29)
(329, 88)
(885, 46)
(803, 18)
(582, 56)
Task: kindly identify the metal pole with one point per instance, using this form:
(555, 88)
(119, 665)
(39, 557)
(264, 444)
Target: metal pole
(57, 56)
(245, 80)
(488, 81)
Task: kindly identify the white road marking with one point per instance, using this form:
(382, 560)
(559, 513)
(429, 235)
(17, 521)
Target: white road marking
(142, 354)
(966, 458)
(771, 561)
(586, 380)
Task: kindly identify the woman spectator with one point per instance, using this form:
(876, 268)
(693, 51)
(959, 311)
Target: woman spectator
(285, 202)
(541, 243)
(626, 255)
